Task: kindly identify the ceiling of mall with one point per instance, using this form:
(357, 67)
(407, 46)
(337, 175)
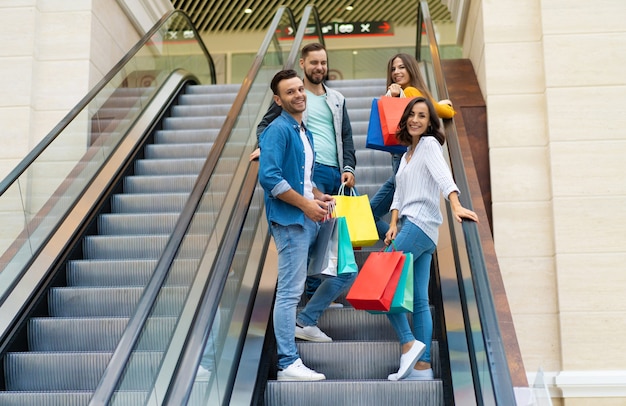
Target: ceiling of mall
(217, 16)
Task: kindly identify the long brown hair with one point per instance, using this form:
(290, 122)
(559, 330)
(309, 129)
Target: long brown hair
(434, 124)
(412, 67)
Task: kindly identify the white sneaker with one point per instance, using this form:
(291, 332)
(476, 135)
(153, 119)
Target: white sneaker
(335, 305)
(415, 375)
(299, 372)
(312, 333)
(203, 374)
(408, 360)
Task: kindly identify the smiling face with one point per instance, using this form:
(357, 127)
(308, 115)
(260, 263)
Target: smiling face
(315, 66)
(291, 96)
(399, 73)
(418, 120)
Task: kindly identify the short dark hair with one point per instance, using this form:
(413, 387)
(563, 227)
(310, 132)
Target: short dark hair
(282, 75)
(434, 124)
(312, 47)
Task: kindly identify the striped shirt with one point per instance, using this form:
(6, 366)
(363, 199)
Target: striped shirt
(419, 184)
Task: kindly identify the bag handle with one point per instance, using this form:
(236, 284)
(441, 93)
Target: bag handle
(391, 247)
(342, 190)
(330, 211)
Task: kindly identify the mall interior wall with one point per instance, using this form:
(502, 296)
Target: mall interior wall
(552, 75)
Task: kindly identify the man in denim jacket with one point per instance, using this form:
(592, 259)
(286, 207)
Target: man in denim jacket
(293, 206)
(327, 118)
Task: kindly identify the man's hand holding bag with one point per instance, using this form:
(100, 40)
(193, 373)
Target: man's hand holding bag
(332, 252)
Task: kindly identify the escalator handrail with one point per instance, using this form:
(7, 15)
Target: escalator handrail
(115, 369)
(309, 11)
(30, 158)
(182, 383)
(493, 339)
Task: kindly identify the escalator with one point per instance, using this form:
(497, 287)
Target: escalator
(197, 281)
(70, 348)
(122, 225)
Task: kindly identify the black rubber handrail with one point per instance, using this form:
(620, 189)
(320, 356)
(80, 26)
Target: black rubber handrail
(498, 366)
(115, 369)
(84, 102)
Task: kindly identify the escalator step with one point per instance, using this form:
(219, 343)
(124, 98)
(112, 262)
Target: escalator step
(362, 393)
(347, 359)
(110, 302)
(74, 371)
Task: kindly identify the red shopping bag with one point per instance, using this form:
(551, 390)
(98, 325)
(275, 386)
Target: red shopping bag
(375, 285)
(390, 110)
(374, 138)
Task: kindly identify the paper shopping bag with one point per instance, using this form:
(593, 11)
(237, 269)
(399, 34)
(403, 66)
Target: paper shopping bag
(346, 263)
(375, 285)
(374, 138)
(359, 217)
(403, 297)
(390, 110)
(323, 257)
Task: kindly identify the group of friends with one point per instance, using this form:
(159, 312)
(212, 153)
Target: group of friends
(305, 153)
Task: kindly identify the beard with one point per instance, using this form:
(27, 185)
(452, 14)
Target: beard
(315, 80)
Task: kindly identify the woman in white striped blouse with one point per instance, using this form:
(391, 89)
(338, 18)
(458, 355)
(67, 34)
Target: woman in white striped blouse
(423, 175)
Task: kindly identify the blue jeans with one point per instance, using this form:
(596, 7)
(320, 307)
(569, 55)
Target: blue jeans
(327, 178)
(412, 239)
(381, 201)
(292, 243)
(329, 289)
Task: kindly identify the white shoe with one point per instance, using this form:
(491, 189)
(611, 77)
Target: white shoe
(203, 374)
(415, 375)
(299, 372)
(335, 305)
(408, 360)
(312, 333)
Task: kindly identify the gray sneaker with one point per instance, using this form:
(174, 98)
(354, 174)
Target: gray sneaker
(312, 333)
(299, 372)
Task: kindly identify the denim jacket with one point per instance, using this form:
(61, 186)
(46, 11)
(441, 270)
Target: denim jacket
(346, 155)
(281, 167)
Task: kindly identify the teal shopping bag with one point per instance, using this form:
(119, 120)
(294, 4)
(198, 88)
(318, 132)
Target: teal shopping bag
(403, 298)
(346, 263)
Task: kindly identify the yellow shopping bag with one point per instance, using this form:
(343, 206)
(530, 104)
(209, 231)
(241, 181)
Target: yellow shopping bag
(358, 214)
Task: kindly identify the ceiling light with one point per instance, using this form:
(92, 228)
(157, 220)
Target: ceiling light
(248, 11)
(349, 8)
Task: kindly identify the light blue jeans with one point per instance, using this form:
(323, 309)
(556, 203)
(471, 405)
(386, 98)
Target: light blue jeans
(412, 239)
(329, 289)
(292, 243)
(381, 201)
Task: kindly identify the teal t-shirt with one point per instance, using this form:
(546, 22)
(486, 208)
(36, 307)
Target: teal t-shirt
(320, 122)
